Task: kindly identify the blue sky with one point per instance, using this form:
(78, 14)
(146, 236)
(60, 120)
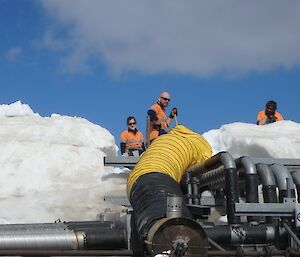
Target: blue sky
(106, 60)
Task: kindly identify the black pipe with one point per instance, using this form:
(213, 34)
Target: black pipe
(100, 235)
(268, 186)
(232, 192)
(268, 183)
(231, 183)
(106, 239)
(241, 234)
(251, 182)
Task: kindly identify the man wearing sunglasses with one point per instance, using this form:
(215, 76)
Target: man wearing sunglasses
(159, 122)
(269, 115)
(132, 141)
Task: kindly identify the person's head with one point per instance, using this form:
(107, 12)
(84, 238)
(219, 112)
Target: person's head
(271, 107)
(164, 99)
(131, 123)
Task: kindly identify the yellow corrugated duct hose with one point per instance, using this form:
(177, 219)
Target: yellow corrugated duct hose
(172, 154)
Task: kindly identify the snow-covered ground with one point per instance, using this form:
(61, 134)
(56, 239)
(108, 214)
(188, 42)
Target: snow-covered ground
(52, 167)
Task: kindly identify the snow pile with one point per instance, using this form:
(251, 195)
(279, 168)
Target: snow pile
(276, 140)
(52, 168)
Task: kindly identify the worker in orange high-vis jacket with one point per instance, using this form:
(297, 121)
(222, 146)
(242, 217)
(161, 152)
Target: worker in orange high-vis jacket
(132, 140)
(159, 122)
(269, 115)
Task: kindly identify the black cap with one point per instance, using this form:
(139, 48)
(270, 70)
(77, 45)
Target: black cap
(130, 118)
(271, 104)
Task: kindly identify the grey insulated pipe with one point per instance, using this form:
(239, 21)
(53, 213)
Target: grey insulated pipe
(251, 182)
(61, 236)
(267, 179)
(231, 180)
(296, 177)
(268, 183)
(284, 181)
(242, 234)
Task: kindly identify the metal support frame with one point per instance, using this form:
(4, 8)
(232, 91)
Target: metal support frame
(286, 209)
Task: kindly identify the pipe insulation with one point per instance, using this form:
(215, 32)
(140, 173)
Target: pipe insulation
(242, 234)
(251, 181)
(267, 179)
(296, 177)
(282, 178)
(61, 236)
(41, 236)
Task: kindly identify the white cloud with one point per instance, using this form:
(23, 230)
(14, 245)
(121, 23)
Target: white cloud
(13, 53)
(194, 37)
(50, 42)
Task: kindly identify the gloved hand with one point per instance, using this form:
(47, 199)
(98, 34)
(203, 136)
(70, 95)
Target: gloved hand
(271, 119)
(173, 113)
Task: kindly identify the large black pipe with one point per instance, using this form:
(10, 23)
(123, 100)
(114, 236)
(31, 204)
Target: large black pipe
(268, 183)
(105, 239)
(241, 234)
(249, 169)
(148, 197)
(268, 186)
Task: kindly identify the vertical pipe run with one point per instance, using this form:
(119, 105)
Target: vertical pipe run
(189, 188)
(296, 177)
(195, 191)
(251, 181)
(268, 186)
(231, 180)
(231, 188)
(268, 183)
(282, 176)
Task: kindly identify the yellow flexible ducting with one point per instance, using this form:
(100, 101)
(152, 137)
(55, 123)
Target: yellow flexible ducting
(172, 154)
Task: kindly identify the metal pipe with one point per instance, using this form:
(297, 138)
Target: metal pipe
(62, 236)
(268, 186)
(209, 178)
(189, 187)
(28, 239)
(242, 234)
(196, 196)
(282, 176)
(66, 253)
(291, 233)
(268, 182)
(231, 180)
(251, 182)
(296, 177)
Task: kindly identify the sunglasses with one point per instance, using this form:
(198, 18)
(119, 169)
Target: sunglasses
(133, 123)
(166, 99)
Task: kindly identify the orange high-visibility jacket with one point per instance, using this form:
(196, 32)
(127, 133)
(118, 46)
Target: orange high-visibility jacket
(132, 140)
(161, 115)
(262, 115)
